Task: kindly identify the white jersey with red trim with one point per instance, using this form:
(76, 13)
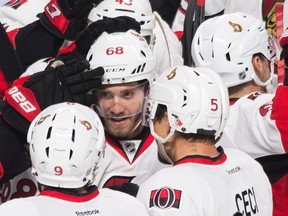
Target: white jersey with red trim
(257, 125)
(23, 185)
(128, 161)
(167, 48)
(125, 161)
(16, 14)
(213, 7)
(250, 127)
(196, 185)
(104, 202)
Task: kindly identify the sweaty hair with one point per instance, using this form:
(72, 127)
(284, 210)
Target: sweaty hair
(238, 88)
(192, 137)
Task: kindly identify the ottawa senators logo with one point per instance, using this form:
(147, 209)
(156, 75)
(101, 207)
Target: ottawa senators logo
(42, 119)
(172, 74)
(236, 27)
(165, 198)
(86, 124)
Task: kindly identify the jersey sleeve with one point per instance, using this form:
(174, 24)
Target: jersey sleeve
(31, 43)
(252, 128)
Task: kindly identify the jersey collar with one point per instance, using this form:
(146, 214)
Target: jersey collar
(220, 159)
(71, 196)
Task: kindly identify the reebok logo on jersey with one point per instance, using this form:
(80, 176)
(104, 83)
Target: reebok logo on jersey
(165, 198)
(84, 213)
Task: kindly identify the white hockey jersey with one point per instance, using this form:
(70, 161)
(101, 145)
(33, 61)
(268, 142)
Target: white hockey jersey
(16, 14)
(104, 202)
(262, 9)
(128, 161)
(257, 125)
(202, 186)
(250, 127)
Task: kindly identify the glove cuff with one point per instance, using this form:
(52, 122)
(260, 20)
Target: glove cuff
(23, 101)
(55, 22)
(13, 118)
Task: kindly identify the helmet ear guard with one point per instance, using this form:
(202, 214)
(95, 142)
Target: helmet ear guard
(66, 143)
(227, 43)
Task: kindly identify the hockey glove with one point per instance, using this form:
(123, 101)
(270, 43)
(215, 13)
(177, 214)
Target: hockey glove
(66, 18)
(82, 44)
(69, 82)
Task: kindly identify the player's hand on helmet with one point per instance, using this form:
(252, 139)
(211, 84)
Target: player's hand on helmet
(66, 18)
(70, 82)
(82, 44)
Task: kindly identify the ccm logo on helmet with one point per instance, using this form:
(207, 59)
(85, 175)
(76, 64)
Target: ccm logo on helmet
(19, 98)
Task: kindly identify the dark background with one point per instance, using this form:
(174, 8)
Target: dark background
(166, 8)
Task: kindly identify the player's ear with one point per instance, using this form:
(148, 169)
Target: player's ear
(166, 124)
(260, 65)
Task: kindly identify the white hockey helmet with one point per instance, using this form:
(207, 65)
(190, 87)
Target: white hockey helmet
(196, 100)
(227, 43)
(140, 10)
(66, 142)
(125, 57)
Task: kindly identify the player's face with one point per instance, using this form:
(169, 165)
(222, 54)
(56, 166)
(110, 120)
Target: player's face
(120, 106)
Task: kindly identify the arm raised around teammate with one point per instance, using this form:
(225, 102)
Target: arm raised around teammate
(28, 96)
(80, 47)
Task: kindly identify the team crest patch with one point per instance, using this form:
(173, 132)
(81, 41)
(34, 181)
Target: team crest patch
(165, 198)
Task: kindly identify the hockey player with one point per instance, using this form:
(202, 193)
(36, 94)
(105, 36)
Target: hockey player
(66, 145)
(166, 47)
(187, 111)
(241, 53)
(261, 9)
(127, 59)
(43, 87)
(129, 65)
(30, 95)
(61, 20)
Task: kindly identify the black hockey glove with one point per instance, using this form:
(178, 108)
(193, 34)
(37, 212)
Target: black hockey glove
(82, 44)
(284, 55)
(66, 18)
(70, 82)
